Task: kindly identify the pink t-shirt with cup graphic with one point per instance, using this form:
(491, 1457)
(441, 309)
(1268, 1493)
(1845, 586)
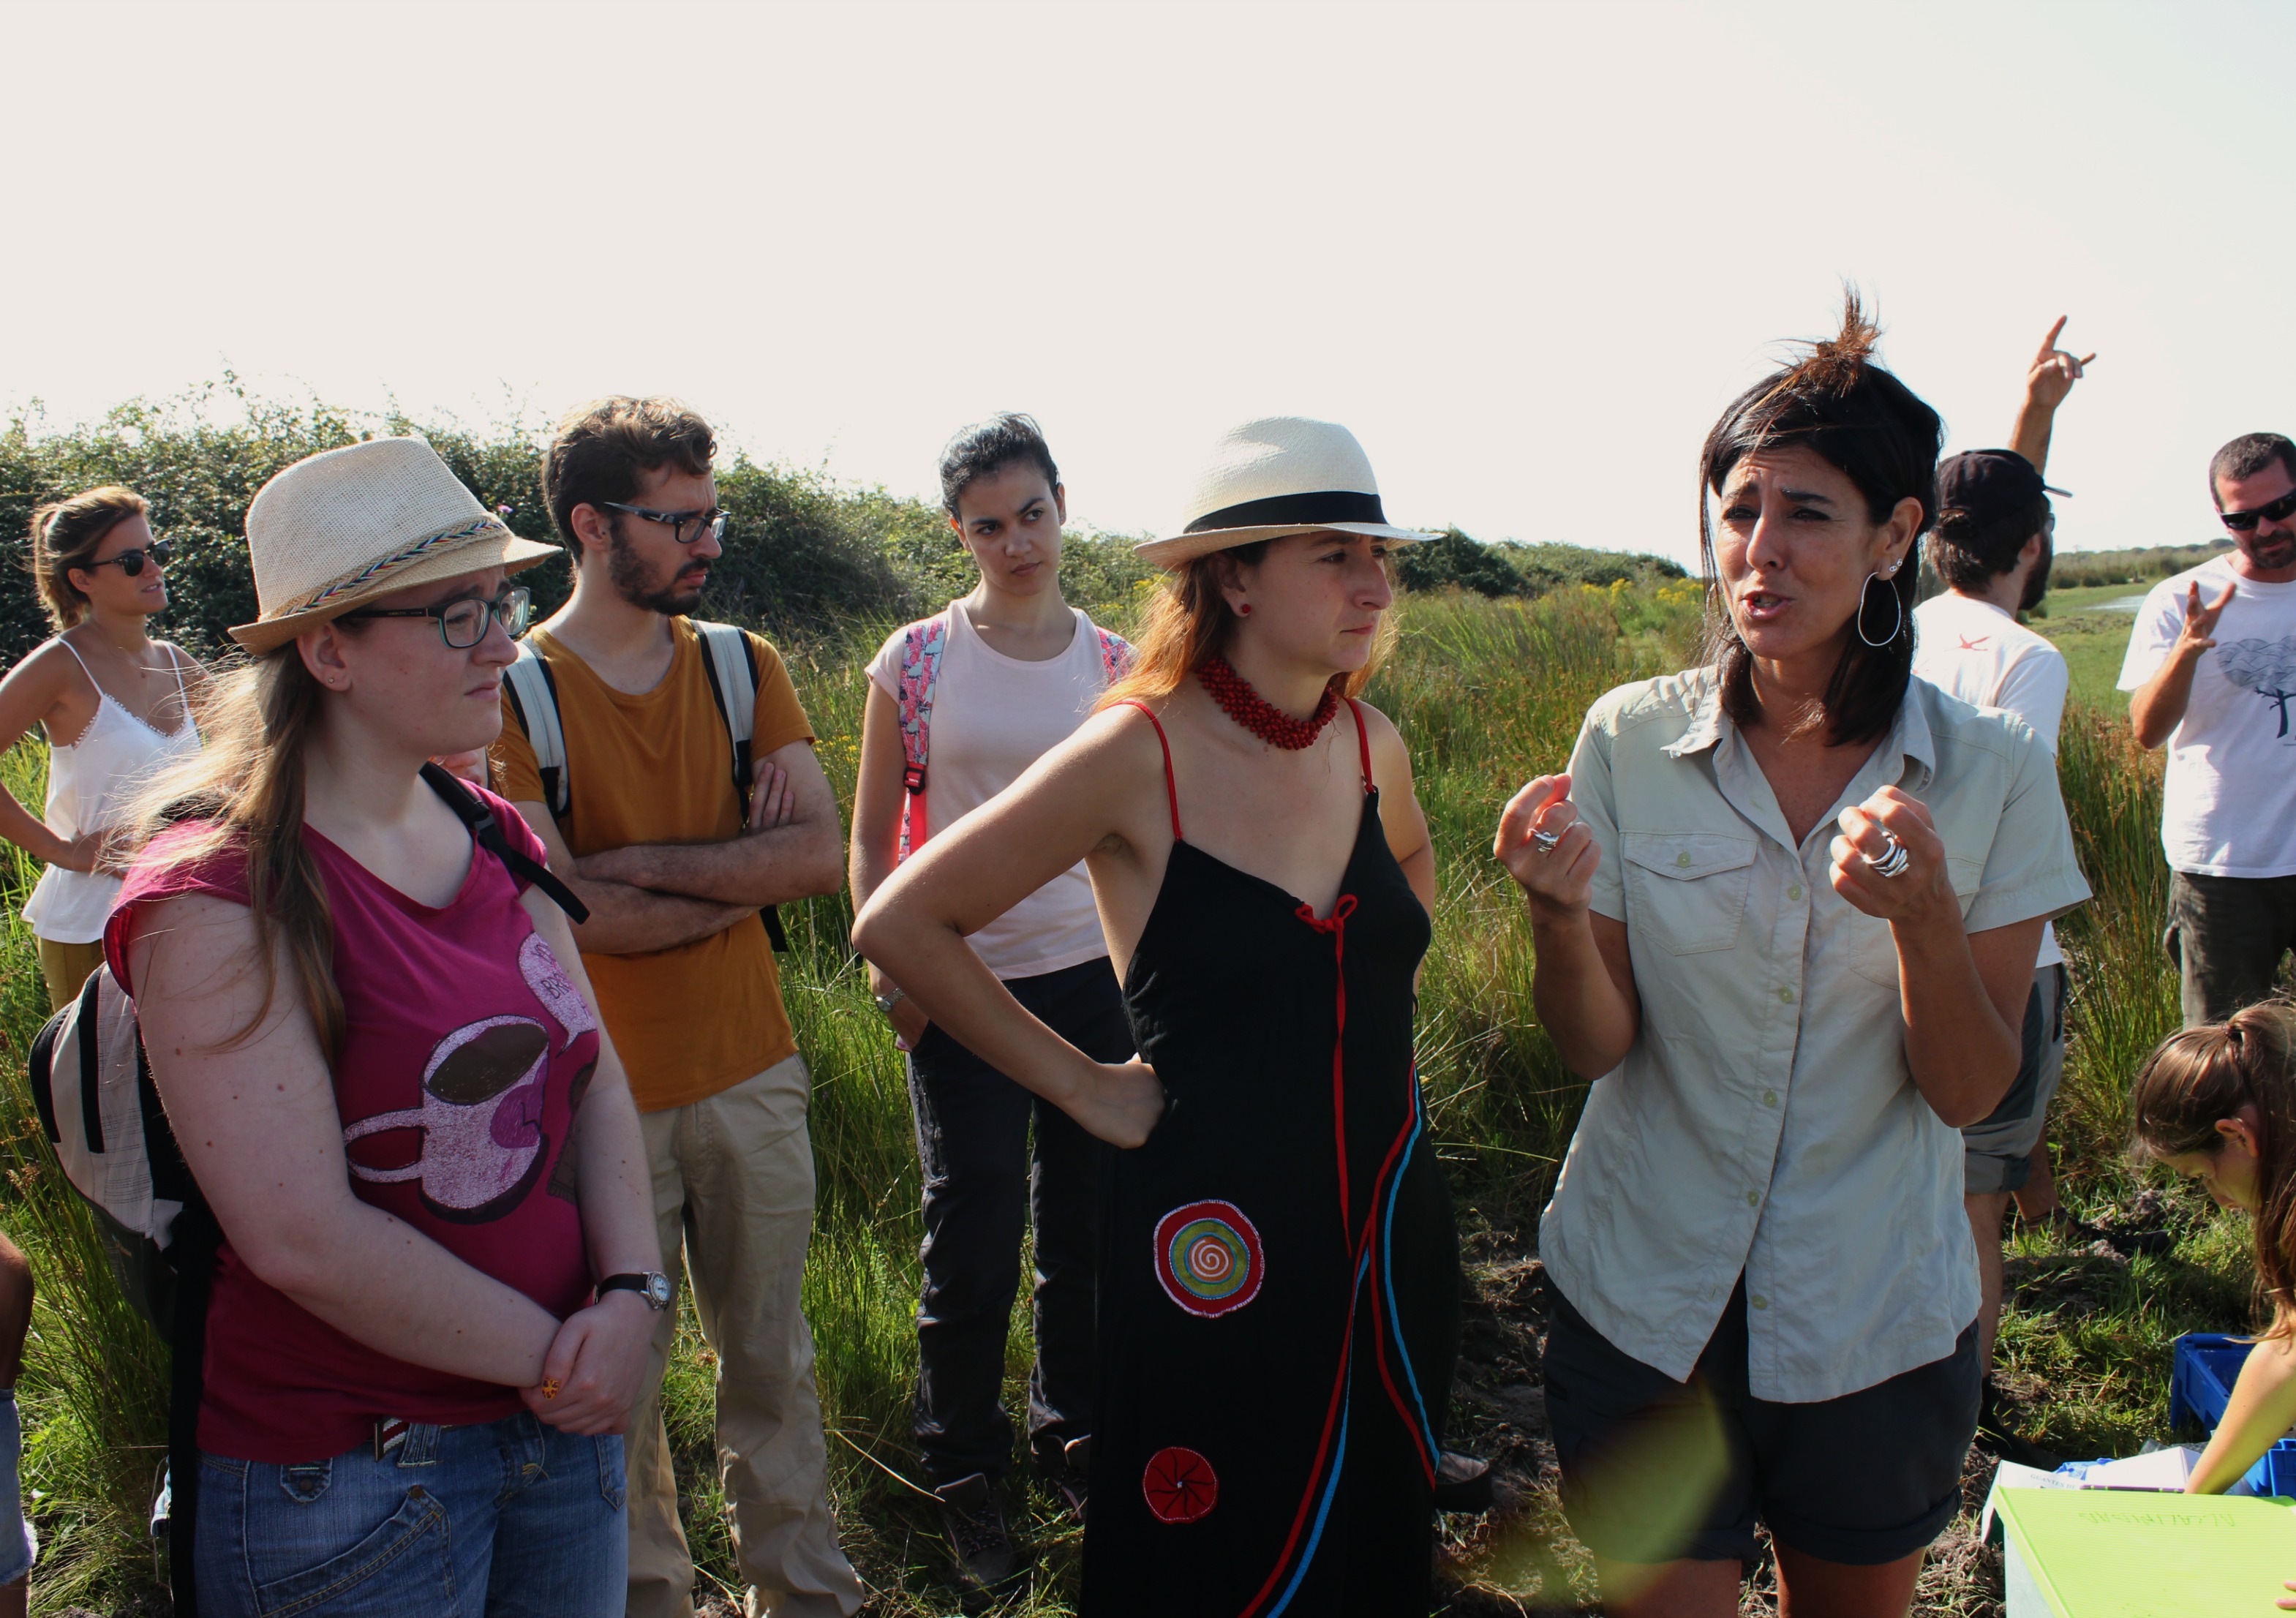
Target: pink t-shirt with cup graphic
(466, 1050)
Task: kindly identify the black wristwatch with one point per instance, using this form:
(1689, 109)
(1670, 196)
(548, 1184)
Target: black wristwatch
(650, 1285)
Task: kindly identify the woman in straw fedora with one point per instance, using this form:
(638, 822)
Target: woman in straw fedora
(433, 1295)
(1279, 1287)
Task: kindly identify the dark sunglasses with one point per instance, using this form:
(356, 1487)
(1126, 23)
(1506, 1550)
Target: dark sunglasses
(463, 624)
(2245, 522)
(711, 522)
(131, 563)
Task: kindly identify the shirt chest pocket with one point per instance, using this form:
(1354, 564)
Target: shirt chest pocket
(1687, 891)
(1874, 952)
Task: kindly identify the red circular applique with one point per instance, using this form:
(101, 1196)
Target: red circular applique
(1180, 1485)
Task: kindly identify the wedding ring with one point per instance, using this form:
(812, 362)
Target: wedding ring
(1545, 842)
(1894, 862)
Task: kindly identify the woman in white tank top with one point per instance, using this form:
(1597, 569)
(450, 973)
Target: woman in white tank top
(116, 706)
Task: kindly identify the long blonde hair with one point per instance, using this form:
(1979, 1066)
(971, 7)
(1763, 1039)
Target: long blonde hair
(245, 786)
(1189, 623)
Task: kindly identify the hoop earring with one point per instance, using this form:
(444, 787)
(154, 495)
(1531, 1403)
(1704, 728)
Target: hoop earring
(1896, 629)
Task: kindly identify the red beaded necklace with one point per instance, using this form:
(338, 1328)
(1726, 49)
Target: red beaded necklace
(1261, 717)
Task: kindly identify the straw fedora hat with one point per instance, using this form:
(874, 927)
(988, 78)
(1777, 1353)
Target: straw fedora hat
(345, 526)
(1281, 474)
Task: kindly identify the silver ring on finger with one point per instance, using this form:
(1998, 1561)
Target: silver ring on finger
(1543, 842)
(1894, 862)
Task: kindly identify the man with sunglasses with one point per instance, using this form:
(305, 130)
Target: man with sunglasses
(2212, 672)
(652, 837)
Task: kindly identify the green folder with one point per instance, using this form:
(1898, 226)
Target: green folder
(2094, 1553)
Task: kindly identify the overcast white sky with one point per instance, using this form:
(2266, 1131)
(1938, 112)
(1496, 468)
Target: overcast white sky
(1525, 251)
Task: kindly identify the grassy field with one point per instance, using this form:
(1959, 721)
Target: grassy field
(1488, 692)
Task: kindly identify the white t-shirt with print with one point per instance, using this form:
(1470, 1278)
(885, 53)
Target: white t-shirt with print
(993, 715)
(1984, 656)
(2230, 807)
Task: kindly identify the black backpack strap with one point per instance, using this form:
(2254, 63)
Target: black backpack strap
(473, 813)
(197, 1236)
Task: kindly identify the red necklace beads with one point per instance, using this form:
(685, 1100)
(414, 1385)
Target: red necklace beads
(1261, 717)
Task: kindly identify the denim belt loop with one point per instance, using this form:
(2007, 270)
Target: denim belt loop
(422, 1446)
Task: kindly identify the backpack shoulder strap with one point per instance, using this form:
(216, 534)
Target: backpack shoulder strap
(1115, 655)
(472, 810)
(923, 642)
(731, 662)
(534, 699)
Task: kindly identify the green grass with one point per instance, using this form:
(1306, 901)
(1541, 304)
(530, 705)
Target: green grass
(1488, 692)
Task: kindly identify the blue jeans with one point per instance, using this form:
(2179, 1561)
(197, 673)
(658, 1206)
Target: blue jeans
(512, 1519)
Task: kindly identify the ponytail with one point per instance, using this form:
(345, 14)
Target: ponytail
(2204, 1075)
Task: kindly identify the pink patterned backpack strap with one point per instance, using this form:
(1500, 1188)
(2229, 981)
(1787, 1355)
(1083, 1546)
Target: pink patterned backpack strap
(1115, 655)
(921, 645)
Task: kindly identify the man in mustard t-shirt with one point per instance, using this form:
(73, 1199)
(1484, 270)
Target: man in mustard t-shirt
(675, 868)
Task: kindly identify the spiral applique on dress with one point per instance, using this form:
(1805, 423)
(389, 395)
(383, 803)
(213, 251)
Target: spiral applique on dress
(1180, 1485)
(1209, 1258)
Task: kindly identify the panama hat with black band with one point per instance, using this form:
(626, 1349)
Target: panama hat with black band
(1281, 474)
(339, 529)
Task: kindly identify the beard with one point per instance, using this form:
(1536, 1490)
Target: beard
(627, 574)
(2272, 554)
(2037, 582)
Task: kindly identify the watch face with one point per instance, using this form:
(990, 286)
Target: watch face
(657, 1291)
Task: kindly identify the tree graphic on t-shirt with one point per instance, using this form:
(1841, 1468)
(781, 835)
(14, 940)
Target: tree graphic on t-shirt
(2265, 667)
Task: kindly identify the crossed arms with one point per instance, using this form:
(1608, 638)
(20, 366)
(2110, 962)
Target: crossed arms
(650, 896)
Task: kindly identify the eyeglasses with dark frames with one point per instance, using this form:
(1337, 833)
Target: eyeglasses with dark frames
(711, 522)
(2245, 522)
(463, 624)
(131, 563)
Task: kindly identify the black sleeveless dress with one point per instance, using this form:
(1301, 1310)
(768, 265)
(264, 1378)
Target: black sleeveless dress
(1279, 1272)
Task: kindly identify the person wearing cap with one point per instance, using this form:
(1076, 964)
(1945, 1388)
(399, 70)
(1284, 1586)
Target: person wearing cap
(1786, 908)
(373, 1037)
(2210, 670)
(1279, 1286)
(645, 820)
(1992, 545)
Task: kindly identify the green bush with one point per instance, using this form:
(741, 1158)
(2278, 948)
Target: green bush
(1453, 560)
(802, 553)
(2079, 569)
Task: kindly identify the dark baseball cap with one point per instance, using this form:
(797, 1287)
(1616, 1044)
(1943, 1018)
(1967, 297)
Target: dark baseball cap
(1990, 485)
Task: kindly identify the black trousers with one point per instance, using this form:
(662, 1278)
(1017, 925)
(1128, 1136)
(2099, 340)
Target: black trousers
(982, 1178)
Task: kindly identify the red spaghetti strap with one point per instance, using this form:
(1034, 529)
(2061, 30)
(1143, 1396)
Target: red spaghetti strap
(1363, 741)
(1171, 787)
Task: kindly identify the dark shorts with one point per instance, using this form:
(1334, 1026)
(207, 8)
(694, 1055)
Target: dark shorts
(1998, 1151)
(2227, 935)
(1864, 1479)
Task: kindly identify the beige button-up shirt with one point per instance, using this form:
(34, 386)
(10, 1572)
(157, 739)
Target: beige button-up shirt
(1766, 1121)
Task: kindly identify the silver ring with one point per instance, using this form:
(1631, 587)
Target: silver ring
(1894, 862)
(1545, 840)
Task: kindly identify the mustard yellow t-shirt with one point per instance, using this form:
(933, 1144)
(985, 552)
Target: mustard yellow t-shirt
(659, 768)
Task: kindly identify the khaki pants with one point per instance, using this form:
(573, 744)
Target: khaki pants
(66, 967)
(733, 1180)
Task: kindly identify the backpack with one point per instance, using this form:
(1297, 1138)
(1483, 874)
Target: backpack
(921, 645)
(92, 1088)
(729, 660)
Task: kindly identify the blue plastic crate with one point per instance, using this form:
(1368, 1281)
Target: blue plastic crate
(2199, 1382)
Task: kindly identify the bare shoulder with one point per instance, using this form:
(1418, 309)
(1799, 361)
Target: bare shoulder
(51, 668)
(1390, 759)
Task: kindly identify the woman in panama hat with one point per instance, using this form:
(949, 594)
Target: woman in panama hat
(431, 1302)
(1279, 1289)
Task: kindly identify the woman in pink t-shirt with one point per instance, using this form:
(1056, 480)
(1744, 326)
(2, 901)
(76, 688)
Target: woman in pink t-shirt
(430, 1311)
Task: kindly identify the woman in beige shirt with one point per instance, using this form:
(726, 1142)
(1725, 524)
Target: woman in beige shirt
(1786, 908)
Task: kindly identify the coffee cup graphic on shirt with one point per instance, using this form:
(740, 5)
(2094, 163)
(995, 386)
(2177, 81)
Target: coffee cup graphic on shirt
(480, 1119)
(483, 1092)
